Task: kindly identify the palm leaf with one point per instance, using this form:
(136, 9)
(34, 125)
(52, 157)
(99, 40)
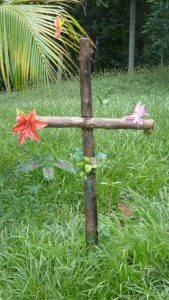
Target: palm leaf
(28, 49)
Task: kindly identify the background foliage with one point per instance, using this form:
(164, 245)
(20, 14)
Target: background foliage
(29, 51)
(107, 22)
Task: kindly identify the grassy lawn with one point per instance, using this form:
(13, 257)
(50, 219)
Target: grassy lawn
(42, 242)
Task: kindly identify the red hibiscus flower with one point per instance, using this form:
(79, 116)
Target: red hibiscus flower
(58, 26)
(28, 126)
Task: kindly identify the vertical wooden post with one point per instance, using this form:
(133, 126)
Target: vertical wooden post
(88, 142)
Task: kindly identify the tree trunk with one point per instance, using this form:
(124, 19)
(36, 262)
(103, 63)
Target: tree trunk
(162, 58)
(132, 35)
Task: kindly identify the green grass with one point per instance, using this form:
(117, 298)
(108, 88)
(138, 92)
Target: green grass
(42, 242)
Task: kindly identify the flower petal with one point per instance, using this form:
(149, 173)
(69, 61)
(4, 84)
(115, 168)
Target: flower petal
(31, 116)
(23, 136)
(140, 121)
(40, 124)
(140, 110)
(20, 118)
(137, 108)
(143, 111)
(130, 117)
(28, 126)
(19, 128)
(32, 133)
(58, 26)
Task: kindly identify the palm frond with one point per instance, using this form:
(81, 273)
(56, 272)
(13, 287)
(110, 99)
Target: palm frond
(28, 49)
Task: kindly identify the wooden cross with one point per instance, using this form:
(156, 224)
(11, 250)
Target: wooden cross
(86, 122)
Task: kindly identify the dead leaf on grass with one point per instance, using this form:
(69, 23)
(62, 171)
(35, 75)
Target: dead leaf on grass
(126, 210)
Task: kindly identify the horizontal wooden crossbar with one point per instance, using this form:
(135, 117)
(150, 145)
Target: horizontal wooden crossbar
(88, 123)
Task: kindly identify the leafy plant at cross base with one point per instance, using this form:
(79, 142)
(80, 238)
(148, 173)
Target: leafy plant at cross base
(84, 165)
(47, 163)
(87, 166)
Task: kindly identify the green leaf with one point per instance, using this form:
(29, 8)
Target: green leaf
(82, 174)
(80, 164)
(65, 165)
(106, 234)
(29, 51)
(27, 167)
(48, 173)
(87, 159)
(88, 168)
(18, 111)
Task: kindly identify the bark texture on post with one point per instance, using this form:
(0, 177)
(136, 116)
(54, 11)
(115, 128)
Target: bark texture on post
(88, 142)
(132, 35)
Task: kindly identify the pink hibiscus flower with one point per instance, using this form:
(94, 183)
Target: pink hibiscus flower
(139, 112)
